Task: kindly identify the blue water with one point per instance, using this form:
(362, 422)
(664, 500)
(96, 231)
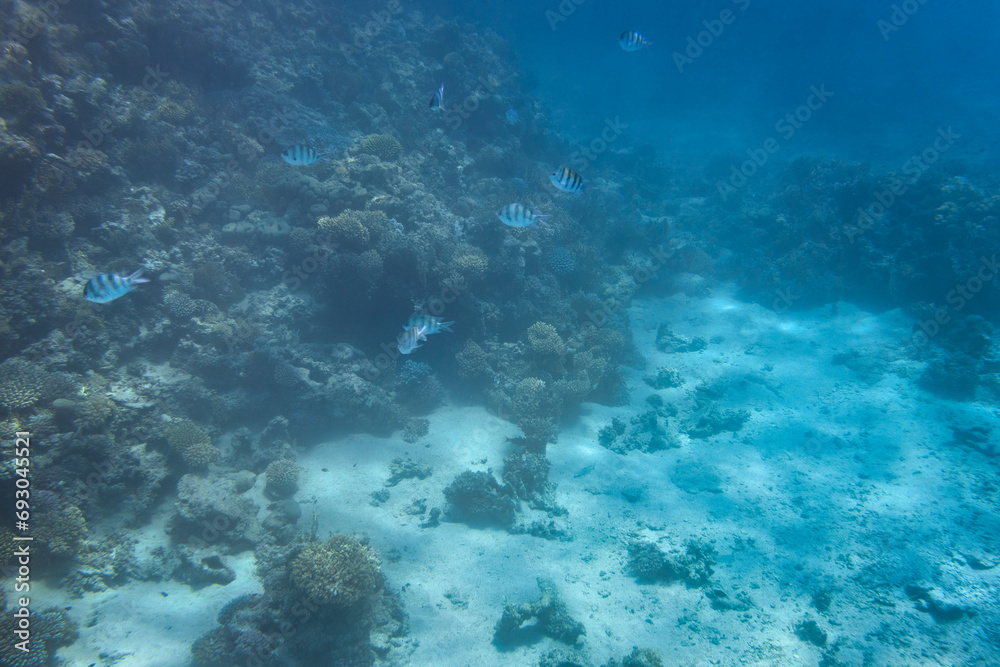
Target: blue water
(893, 84)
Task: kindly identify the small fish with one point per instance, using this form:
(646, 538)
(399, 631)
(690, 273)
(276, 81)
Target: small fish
(519, 215)
(437, 102)
(106, 287)
(300, 155)
(430, 325)
(632, 41)
(584, 471)
(409, 340)
(566, 180)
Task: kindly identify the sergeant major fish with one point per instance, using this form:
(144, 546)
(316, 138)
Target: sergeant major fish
(409, 340)
(519, 215)
(566, 180)
(430, 325)
(632, 41)
(300, 155)
(106, 287)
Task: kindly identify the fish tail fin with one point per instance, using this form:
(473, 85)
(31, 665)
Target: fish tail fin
(136, 277)
(446, 326)
(543, 219)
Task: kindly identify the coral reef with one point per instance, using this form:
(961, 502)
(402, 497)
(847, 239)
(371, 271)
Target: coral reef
(191, 443)
(385, 147)
(57, 526)
(342, 571)
(282, 478)
(21, 385)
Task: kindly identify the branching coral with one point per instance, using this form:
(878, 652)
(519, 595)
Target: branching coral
(282, 477)
(341, 571)
(545, 340)
(355, 229)
(193, 444)
(473, 360)
(59, 527)
(383, 146)
(21, 384)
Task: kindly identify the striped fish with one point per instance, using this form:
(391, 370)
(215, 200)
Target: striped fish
(632, 41)
(300, 155)
(409, 340)
(430, 325)
(106, 287)
(519, 215)
(437, 102)
(566, 180)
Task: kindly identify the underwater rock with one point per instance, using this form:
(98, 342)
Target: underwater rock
(668, 341)
(551, 619)
(198, 571)
(211, 511)
(639, 657)
(716, 422)
(479, 499)
(406, 469)
(695, 476)
(809, 631)
(645, 433)
(693, 565)
(720, 600)
(927, 600)
(665, 378)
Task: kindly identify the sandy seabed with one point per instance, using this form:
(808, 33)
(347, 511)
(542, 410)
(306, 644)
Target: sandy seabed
(845, 479)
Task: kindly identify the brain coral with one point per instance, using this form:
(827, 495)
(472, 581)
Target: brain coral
(383, 146)
(341, 571)
(193, 444)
